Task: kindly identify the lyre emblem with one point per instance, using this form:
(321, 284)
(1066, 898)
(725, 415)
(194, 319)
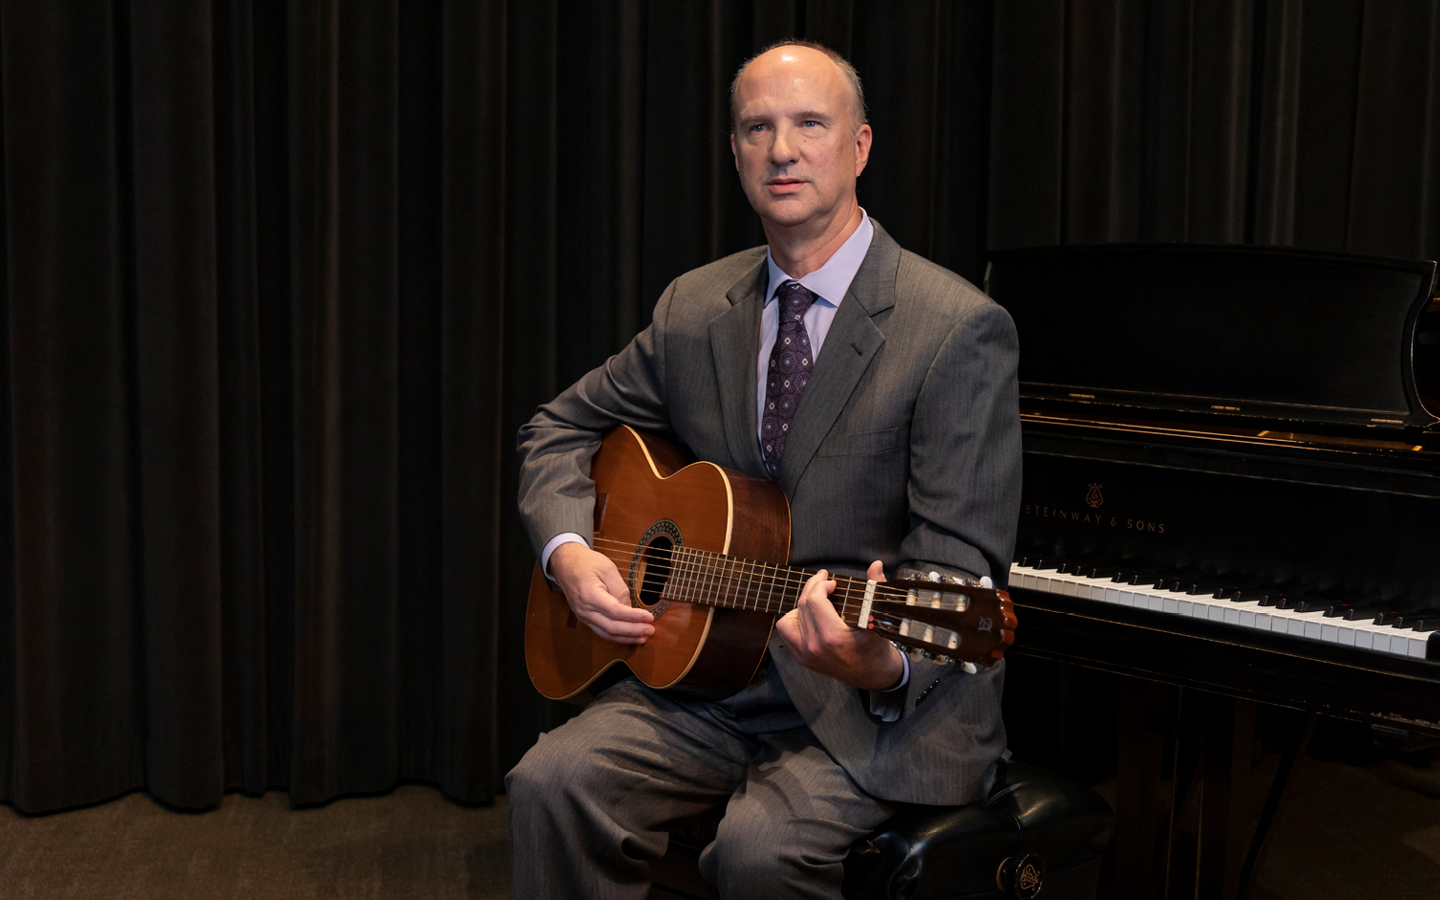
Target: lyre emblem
(1094, 498)
(984, 624)
(1029, 879)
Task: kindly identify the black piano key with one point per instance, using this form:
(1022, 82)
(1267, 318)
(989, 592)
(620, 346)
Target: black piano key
(1390, 618)
(1227, 593)
(1314, 605)
(1260, 597)
(1416, 618)
(1202, 589)
(1146, 579)
(1363, 614)
(1428, 623)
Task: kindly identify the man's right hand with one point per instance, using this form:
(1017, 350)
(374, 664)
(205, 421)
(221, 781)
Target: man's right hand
(598, 595)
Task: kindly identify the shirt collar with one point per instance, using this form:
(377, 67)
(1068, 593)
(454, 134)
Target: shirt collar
(829, 282)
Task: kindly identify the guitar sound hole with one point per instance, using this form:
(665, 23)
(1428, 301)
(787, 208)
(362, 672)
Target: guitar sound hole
(655, 569)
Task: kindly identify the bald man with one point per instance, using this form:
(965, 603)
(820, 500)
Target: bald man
(879, 391)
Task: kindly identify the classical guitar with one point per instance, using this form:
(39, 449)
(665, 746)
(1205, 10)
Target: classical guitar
(703, 548)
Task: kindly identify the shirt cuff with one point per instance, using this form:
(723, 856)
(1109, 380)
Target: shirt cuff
(904, 676)
(570, 537)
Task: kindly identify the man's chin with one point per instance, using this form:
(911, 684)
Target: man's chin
(786, 214)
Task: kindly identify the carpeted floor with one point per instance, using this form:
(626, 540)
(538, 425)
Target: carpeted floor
(1344, 831)
(1348, 831)
(412, 843)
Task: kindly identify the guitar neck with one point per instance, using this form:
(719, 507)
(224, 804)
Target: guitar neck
(712, 579)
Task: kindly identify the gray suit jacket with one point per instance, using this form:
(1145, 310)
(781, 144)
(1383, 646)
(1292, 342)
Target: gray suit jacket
(905, 448)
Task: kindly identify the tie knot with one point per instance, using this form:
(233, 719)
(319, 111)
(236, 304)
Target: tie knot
(795, 299)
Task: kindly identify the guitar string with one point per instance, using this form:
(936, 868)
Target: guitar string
(884, 620)
(887, 621)
(623, 551)
(750, 596)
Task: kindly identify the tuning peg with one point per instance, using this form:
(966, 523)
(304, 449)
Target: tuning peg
(970, 668)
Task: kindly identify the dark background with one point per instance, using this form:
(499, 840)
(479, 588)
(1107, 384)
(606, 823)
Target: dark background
(280, 281)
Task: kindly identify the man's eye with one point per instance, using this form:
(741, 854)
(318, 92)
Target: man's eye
(757, 127)
(811, 122)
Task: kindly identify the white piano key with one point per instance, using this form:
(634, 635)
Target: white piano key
(1310, 625)
(1418, 645)
(1203, 608)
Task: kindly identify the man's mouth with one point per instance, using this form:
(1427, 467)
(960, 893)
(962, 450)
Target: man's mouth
(785, 185)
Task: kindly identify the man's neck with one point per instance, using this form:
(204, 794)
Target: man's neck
(799, 252)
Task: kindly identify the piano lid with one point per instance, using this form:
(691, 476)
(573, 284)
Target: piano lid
(1279, 334)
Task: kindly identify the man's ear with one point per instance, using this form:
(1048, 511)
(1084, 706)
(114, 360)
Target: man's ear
(733, 154)
(862, 148)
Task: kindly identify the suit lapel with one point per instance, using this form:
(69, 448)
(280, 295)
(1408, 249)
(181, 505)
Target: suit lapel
(849, 348)
(734, 342)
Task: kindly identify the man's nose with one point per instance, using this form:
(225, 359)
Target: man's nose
(782, 146)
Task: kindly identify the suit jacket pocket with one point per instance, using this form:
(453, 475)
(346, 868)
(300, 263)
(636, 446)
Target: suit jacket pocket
(860, 443)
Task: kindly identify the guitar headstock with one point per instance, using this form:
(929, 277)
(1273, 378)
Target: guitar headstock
(945, 619)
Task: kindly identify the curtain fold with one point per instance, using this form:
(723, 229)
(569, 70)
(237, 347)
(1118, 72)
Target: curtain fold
(1286, 122)
(281, 281)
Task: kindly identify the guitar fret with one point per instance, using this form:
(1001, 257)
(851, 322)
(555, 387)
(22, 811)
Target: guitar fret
(717, 591)
(687, 576)
(673, 589)
(704, 575)
(721, 572)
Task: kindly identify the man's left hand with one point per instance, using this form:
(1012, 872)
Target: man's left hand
(821, 640)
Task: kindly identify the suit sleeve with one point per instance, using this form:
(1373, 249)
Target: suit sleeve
(964, 489)
(556, 446)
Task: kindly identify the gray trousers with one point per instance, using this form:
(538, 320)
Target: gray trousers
(591, 802)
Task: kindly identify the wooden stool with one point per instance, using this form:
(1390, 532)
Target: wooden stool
(1036, 829)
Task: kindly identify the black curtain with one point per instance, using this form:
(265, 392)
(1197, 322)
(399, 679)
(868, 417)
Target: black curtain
(1308, 123)
(280, 281)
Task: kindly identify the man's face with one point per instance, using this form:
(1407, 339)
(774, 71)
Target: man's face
(795, 142)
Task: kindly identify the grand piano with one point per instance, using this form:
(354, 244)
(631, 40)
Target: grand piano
(1232, 501)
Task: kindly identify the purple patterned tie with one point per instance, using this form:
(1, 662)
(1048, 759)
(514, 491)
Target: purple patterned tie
(790, 365)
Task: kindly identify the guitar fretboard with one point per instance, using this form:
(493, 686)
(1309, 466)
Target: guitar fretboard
(711, 579)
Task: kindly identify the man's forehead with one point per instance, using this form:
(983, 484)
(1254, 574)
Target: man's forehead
(804, 77)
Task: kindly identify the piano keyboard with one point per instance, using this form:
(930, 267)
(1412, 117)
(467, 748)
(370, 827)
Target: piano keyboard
(1415, 636)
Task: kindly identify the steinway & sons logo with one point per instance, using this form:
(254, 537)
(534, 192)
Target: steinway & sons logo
(1094, 499)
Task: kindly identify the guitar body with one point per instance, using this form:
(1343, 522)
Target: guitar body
(644, 488)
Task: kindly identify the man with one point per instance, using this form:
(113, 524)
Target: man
(879, 391)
